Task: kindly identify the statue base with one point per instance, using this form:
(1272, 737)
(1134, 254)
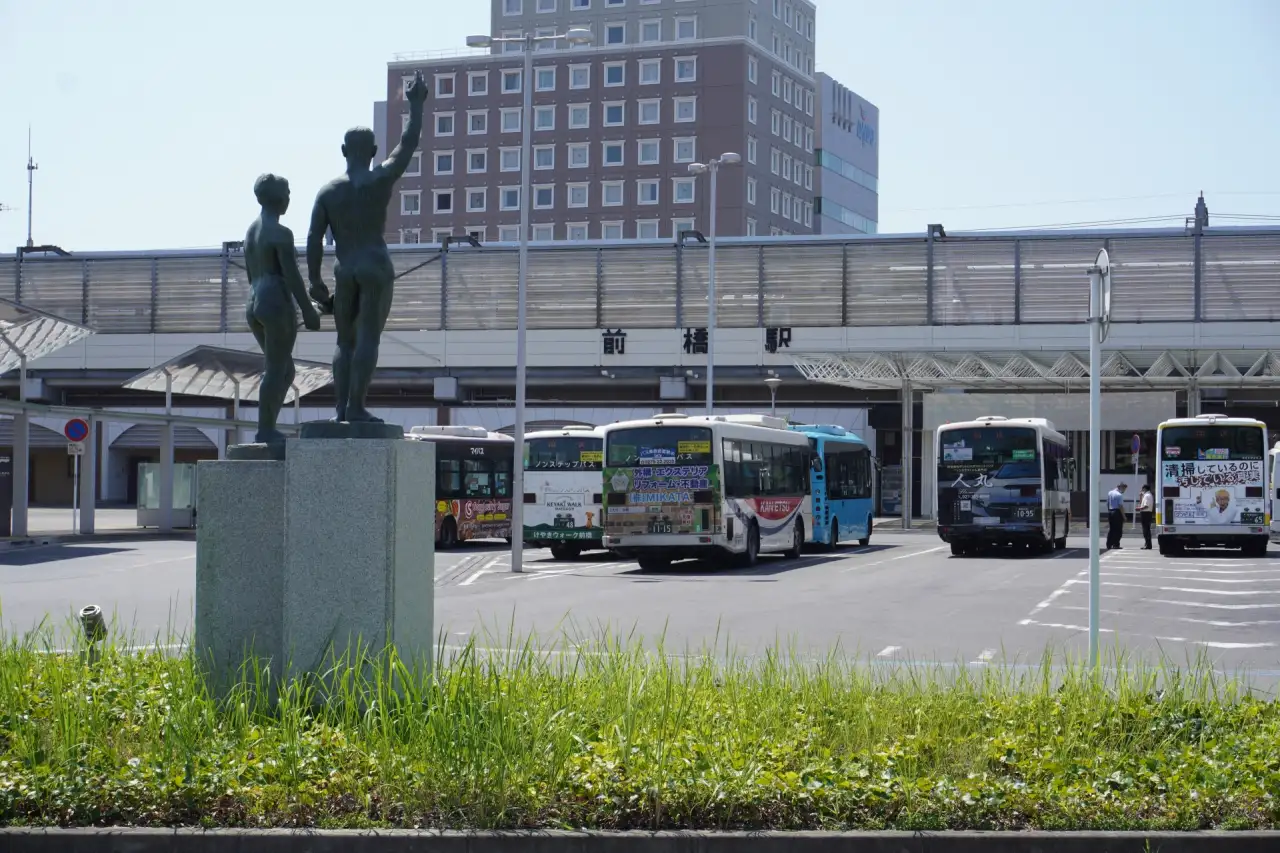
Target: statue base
(327, 553)
(350, 429)
(256, 452)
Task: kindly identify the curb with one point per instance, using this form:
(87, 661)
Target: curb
(407, 841)
(43, 540)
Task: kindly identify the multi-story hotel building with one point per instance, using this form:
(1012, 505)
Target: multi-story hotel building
(616, 123)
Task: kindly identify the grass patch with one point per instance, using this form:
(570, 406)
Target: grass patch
(608, 736)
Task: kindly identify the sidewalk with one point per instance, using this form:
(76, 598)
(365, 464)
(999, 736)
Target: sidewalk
(50, 525)
(892, 523)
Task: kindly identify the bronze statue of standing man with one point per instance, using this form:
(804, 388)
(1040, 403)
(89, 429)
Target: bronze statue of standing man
(354, 206)
(275, 286)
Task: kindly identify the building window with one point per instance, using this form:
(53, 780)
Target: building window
(753, 29)
(545, 80)
(544, 196)
(477, 160)
(786, 90)
(808, 103)
(786, 167)
(579, 195)
(808, 139)
(614, 114)
(510, 160)
(686, 28)
(411, 235)
(444, 162)
(511, 81)
(611, 193)
(546, 5)
(438, 235)
(650, 72)
(613, 154)
(685, 149)
(786, 205)
(510, 198)
(686, 109)
(753, 109)
(477, 199)
(615, 34)
(513, 7)
(776, 84)
(544, 118)
(775, 161)
(650, 31)
(511, 120)
(679, 225)
(579, 155)
(775, 199)
(611, 230)
(686, 70)
(579, 116)
(544, 233)
(752, 145)
(615, 73)
(808, 177)
(444, 124)
(579, 5)
(650, 111)
(477, 122)
(751, 190)
(415, 165)
(786, 128)
(508, 233)
(751, 227)
(443, 201)
(647, 229)
(576, 231)
(544, 157)
(579, 76)
(775, 122)
(444, 86)
(410, 203)
(646, 192)
(478, 83)
(682, 190)
(648, 152)
(753, 69)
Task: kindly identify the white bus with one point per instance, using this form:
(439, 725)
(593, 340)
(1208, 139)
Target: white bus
(563, 490)
(717, 487)
(1003, 481)
(1275, 492)
(473, 482)
(1212, 489)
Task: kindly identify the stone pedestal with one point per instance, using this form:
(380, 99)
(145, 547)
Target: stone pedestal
(329, 552)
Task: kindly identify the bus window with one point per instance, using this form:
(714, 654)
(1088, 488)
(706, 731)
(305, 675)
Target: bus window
(477, 479)
(449, 477)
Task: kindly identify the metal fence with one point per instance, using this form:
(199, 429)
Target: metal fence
(1158, 276)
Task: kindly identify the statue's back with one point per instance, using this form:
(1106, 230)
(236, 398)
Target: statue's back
(357, 210)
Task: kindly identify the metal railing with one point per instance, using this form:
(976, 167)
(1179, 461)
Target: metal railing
(1162, 275)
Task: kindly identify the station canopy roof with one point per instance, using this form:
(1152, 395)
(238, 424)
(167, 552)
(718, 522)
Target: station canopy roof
(226, 374)
(1043, 370)
(31, 333)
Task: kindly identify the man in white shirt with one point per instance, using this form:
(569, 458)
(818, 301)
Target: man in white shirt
(1146, 513)
(1115, 515)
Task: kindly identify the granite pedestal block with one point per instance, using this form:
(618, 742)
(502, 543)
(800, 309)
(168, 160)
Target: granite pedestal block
(359, 566)
(240, 565)
(322, 555)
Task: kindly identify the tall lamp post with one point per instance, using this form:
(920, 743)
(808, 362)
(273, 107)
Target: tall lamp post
(773, 382)
(528, 43)
(712, 166)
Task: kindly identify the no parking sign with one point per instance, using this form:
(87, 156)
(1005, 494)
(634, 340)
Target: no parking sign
(76, 430)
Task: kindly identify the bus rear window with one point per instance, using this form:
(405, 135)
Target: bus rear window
(666, 445)
(1212, 443)
(989, 448)
(564, 454)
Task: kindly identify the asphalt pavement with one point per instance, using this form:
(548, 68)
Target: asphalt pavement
(902, 598)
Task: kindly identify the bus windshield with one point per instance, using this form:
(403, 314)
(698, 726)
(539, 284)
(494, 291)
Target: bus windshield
(567, 453)
(1213, 443)
(665, 445)
(986, 449)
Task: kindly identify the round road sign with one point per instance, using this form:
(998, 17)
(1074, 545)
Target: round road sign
(77, 429)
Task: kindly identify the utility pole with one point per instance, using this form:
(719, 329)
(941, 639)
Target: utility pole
(31, 171)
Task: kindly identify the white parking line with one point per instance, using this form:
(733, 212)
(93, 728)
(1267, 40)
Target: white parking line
(888, 651)
(986, 656)
(469, 581)
(892, 559)
(1184, 579)
(1209, 644)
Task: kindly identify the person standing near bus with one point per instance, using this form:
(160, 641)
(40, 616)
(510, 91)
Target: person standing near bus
(1115, 515)
(1146, 513)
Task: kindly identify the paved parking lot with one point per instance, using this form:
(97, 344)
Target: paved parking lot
(904, 597)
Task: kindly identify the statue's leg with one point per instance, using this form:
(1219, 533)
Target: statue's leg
(266, 420)
(277, 346)
(376, 291)
(346, 298)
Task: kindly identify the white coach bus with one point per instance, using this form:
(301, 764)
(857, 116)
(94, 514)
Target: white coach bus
(1003, 481)
(718, 487)
(562, 490)
(1212, 489)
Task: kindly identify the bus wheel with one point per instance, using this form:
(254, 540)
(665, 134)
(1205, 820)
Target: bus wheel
(1061, 542)
(866, 540)
(797, 541)
(834, 538)
(448, 534)
(958, 549)
(565, 550)
(752, 555)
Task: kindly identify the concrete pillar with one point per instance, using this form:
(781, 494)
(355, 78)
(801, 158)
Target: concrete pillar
(21, 471)
(908, 443)
(88, 480)
(1193, 399)
(928, 476)
(166, 462)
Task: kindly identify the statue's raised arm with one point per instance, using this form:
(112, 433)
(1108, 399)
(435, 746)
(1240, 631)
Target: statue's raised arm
(396, 164)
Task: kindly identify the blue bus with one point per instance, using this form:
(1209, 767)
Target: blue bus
(842, 480)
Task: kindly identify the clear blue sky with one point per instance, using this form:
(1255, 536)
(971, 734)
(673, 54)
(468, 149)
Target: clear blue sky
(152, 117)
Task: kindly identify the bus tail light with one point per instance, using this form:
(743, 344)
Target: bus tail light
(1172, 491)
(1029, 491)
(728, 529)
(597, 498)
(1253, 491)
(1168, 508)
(706, 519)
(530, 498)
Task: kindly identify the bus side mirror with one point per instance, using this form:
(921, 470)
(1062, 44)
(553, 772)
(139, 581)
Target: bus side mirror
(816, 465)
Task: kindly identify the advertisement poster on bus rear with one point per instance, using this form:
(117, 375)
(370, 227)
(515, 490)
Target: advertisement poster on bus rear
(661, 499)
(568, 507)
(1215, 490)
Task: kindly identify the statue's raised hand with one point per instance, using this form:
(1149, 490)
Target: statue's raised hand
(417, 94)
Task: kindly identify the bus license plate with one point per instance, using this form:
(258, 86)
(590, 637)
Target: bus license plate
(1025, 512)
(660, 527)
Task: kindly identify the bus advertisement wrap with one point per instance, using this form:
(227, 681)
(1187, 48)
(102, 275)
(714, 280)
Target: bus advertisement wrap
(566, 512)
(988, 493)
(1215, 492)
(476, 519)
(661, 499)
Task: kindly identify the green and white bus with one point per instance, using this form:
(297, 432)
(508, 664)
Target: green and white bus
(562, 490)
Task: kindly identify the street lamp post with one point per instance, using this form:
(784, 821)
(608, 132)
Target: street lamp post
(713, 166)
(575, 36)
(773, 382)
